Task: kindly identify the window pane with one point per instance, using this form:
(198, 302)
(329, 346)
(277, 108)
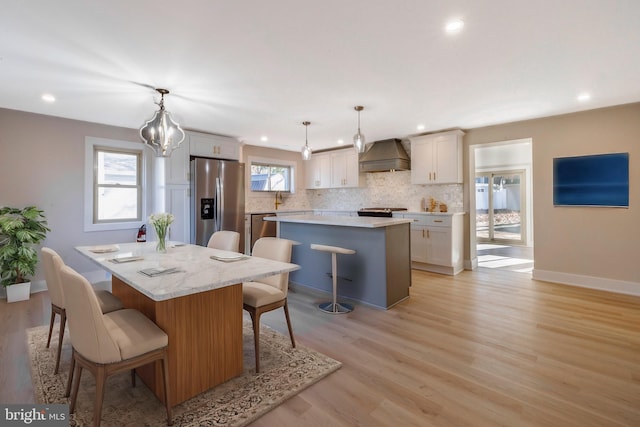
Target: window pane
(270, 178)
(117, 168)
(117, 203)
(279, 179)
(259, 177)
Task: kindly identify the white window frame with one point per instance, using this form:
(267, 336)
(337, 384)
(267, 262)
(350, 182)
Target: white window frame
(126, 146)
(271, 162)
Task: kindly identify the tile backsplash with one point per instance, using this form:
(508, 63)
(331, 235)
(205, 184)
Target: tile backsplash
(383, 189)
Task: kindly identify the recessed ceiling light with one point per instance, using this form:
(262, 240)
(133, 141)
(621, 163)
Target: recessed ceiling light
(420, 127)
(48, 97)
(454, 26)
(264, 138)
(584, 97)
(340, 141)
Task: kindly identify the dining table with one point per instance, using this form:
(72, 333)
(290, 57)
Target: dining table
(194, 294)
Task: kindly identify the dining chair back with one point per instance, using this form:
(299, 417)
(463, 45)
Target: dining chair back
(225, 240)
(106, 344)
(270, 292)
(53, 263)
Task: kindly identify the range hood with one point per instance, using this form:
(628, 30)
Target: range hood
(384, 156)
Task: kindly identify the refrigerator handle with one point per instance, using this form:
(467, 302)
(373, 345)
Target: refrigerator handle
(219, 199)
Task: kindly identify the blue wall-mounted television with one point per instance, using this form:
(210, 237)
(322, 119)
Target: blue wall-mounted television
(594, 180)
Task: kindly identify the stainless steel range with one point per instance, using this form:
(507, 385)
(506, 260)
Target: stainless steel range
(379, 212)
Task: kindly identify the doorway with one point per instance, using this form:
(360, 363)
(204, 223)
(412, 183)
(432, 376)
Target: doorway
(500, 207)
(502, 227)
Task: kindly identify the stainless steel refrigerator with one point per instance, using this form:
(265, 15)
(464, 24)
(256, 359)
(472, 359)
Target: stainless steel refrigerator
(217, 189)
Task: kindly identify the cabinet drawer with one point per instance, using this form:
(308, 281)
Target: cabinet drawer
(430, 220)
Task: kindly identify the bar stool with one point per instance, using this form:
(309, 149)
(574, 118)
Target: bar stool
(334, 307)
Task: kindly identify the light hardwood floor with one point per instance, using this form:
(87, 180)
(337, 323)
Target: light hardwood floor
(483, 348)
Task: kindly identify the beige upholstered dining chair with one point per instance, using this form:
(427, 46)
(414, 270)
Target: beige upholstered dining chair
(225, 240)
(269, 293)
(52, 264)
(110, 343)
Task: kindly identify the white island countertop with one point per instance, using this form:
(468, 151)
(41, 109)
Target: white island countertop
(195, 270)
(341, 221)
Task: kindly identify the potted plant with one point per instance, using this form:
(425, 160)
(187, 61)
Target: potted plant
(20, 230)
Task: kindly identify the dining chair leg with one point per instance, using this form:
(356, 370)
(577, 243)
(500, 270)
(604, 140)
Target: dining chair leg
(286, 314)
(71, 372)
(63, 324)
(53, 318)
(101, 377)
(74, 395)
(255, 319)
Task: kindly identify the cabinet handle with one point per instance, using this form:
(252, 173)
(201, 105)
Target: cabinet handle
(428, 236)
(437, 220)
(434, 176)
(423, 233)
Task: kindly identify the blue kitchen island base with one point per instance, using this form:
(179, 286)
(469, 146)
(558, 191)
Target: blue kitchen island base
(378, 274)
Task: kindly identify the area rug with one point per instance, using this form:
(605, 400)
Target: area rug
(285, 372)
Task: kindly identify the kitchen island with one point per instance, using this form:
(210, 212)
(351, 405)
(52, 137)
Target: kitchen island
(378, 274)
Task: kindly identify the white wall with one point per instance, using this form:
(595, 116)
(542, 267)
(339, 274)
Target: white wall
(594, 247)
(42, 164)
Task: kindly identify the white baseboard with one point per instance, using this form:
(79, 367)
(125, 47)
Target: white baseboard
(471, 264)
(101, 279)
(603, 284)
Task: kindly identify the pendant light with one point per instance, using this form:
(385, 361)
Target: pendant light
(161, 133)
(306, 150)
(358, 138)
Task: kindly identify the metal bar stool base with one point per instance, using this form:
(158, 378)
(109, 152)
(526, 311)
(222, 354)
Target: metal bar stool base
(335, 307)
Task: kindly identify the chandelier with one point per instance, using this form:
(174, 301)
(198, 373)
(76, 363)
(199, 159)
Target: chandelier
(161, 133)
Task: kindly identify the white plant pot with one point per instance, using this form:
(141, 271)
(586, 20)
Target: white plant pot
(18, 292)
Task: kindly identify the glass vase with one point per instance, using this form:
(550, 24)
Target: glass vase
(161, 246)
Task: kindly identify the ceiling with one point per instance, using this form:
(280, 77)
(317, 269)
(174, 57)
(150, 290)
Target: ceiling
(255, 68)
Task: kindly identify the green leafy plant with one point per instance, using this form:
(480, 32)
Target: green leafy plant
(20, 230)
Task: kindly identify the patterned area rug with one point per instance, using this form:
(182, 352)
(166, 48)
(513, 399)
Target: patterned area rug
(285, 372)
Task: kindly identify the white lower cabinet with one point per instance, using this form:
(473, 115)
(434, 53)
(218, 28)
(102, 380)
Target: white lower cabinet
(436, 242)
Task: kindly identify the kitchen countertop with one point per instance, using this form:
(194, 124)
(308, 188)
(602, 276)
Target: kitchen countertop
(432, 213)
(197, 271)
(341, 221)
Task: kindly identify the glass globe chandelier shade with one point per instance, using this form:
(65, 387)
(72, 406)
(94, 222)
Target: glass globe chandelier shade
(358, 138)
(306, 150)
(162, 134)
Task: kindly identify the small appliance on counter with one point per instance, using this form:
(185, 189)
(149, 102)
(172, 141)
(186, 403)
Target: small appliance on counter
(379, 212)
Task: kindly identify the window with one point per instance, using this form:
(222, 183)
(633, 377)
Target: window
(117, 192)
(114, 184)
(270, 177)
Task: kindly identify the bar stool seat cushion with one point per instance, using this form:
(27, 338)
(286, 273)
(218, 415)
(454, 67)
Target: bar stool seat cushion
(336, 249)
(258, 294)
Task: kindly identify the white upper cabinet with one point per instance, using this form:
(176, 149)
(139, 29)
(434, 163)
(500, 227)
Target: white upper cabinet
(213, 146)
(437, 158)
(318, 171)
(333, 169)
(345, 171)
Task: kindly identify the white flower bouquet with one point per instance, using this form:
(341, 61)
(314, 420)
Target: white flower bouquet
(161, 223)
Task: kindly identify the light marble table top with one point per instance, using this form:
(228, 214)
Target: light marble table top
(341, 221)
(196, 270)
